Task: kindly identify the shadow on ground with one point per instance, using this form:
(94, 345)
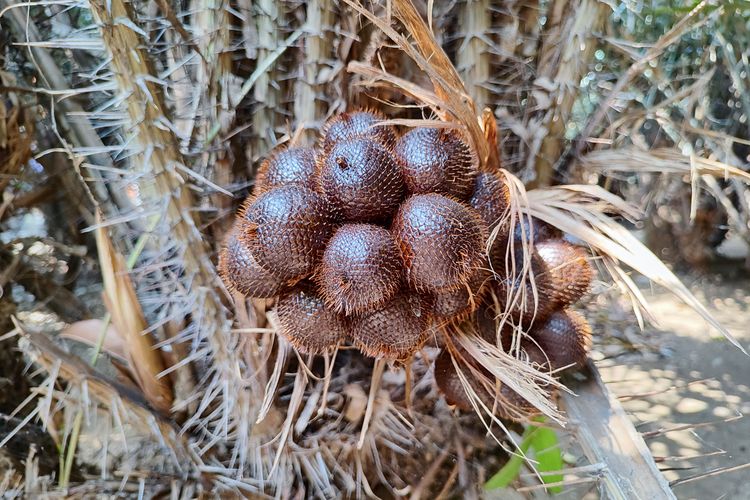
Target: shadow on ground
(692, 375)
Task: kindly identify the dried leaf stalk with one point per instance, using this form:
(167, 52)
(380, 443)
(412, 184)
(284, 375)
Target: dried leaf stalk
(158, 155)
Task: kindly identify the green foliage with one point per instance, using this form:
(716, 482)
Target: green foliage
(543, 442)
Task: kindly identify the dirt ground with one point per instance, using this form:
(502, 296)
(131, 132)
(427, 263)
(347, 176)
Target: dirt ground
(692, 376)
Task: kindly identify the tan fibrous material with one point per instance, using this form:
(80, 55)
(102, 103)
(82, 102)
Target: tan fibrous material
(496, 396)
(441, 241)
(287, 229)
(307, 323)
(361, 268)
(534, 230)
(436, 160)
(396, 330)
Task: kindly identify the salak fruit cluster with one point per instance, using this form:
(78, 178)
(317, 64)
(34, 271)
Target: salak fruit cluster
(379, 239)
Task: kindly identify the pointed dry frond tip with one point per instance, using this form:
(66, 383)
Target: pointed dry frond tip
(582, 211)
(145, 362)
(662, 160)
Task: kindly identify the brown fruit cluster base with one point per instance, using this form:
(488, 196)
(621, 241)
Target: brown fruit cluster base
(378, 238)
(548, 335)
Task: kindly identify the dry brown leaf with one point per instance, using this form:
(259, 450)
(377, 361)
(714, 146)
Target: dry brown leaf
(127, 318)
(88, 332)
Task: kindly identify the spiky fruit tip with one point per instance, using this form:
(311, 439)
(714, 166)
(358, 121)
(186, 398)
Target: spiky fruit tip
(565, 339)
(491, 198)
(287, 230)
(437, 160)
(294, 165)
(242, 272)
(362, 179)
(567, 268)
(526, 303)
(354, 124)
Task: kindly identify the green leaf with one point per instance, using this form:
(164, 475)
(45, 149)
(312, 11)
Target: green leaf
(509, 472)
(545, 444)
(547, 453)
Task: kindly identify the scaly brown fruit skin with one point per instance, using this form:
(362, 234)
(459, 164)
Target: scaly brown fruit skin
(491, 198)
(506, 403)
(361, 268)
(436, 160)
(287, 229)
(287, 166)
(362, 179)
(535, 230)
(508, 290)
(356, 124)
(396, 330)
(485, 322)
(459, 303)
(441, 241)
(242, 272)
(567, 270)
(565, 338)
(307, 323)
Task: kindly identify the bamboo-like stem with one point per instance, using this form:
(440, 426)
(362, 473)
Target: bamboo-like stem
(214, 77)
(266, 95)
(158, 154)
(473, 58)
(310, 104)
(564, 56)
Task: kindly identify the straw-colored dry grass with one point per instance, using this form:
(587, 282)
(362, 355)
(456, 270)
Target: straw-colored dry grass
(161, 115)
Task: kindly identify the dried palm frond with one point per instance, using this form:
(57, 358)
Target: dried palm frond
(178, 116)
(586, 212)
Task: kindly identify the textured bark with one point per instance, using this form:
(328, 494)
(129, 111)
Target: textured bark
(473, 57)
(158, 159)
(267, 92)
(567, 48)
(311, 101)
